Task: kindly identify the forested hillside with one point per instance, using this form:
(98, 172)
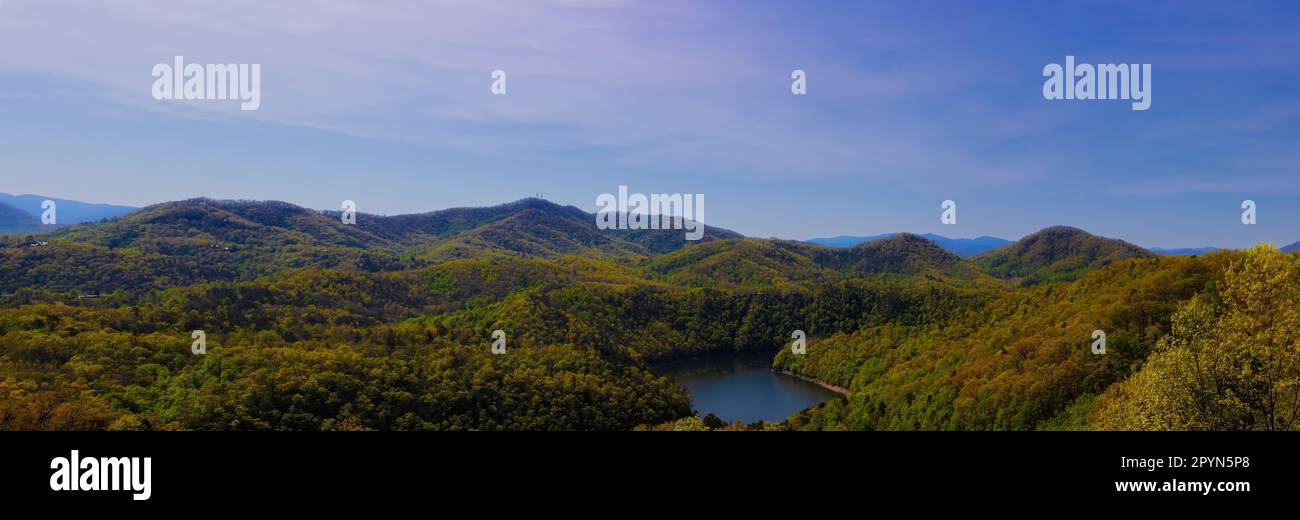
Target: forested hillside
(314, 324)
(1018, 361)
(760, 263)
(1056, 254)
(200, 240)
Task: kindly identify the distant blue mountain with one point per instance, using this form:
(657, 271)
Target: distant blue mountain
(67, 211)
(1184, 251)
(14, 220)
(847, 241)
(963, 247)
(1292, 248)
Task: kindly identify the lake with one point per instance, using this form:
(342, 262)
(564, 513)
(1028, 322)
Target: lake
(743, 388)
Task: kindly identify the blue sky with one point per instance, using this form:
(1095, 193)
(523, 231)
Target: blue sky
(909, 103)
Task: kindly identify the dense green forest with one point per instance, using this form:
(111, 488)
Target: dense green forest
(386, 324)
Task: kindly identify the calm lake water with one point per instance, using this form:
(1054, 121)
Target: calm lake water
(743, 388)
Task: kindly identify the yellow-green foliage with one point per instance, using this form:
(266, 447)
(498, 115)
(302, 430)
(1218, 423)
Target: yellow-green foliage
(386, 325)
(1014, 362)
(1232, 361)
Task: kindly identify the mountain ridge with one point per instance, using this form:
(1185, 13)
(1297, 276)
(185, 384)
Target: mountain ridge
(1183, 251)
(963, 247)
(15, 220)
(1057, 253)
(196, 240)
(756, 262)
(68, 211)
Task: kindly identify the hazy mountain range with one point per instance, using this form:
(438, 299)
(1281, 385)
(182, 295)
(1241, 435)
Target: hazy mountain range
(14, 220)
(1183, 251)
(22, 213)
(203, 240)
(963, 247)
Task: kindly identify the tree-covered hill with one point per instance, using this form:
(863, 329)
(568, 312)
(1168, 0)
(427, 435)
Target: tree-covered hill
(760, 263)
(1056, 254)
(181, 243)
(903, 255)
(1230, 360)
(1022, 360)
(963, 247)
(249, 224)
(537, 231)
(316, 348)
(313, 324)
(527, 226)
(740, 262)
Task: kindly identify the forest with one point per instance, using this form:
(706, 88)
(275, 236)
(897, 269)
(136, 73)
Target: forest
(311, 324)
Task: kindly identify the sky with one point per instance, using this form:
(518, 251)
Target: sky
(908, 104)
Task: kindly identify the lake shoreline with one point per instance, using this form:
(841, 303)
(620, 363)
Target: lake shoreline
(745, 388)
(837, 389)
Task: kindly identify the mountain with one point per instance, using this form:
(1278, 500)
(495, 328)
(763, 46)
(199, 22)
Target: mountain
(1056, 254)
(847, 240)
(1292, 248)
(170, 226)
(746, 262)
(754, 262)
(1184, 251)
(14, 220)
(68, 211)
(902, 254)
(187, 242)
(530, 227)
(968, 247)
(963, 247)
(546, 232)
(433, 226)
